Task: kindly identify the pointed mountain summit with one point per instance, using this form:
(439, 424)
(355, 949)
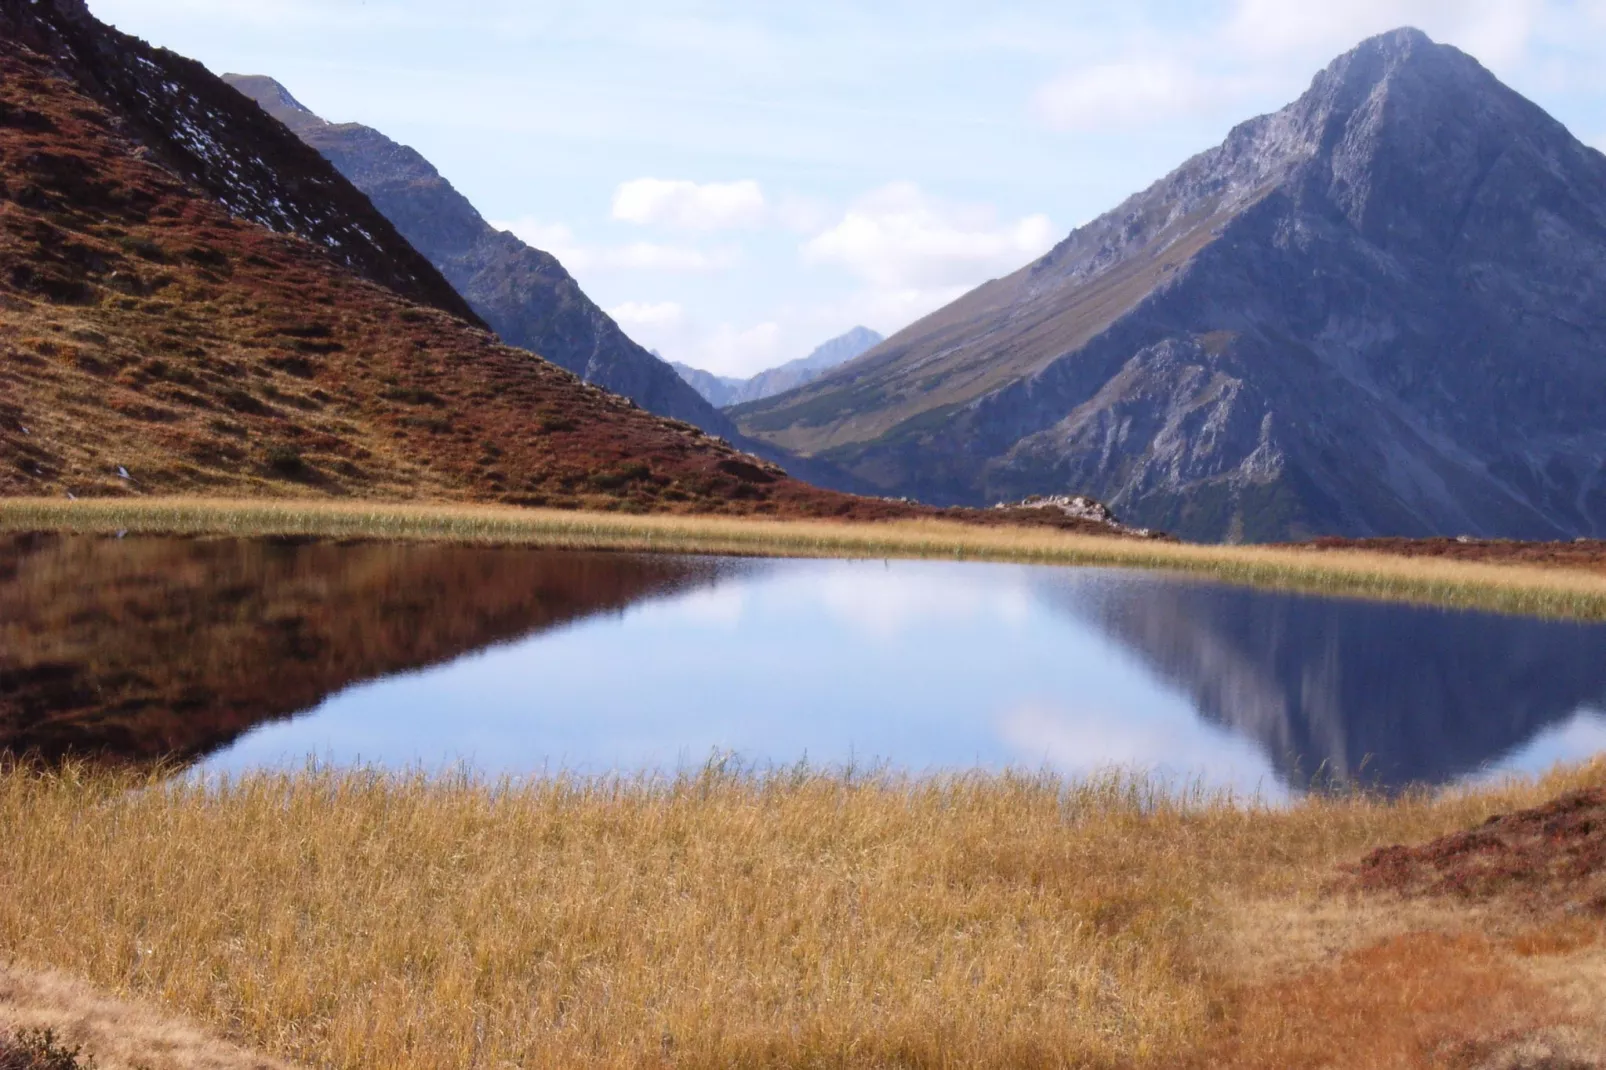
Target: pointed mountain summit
(1377, 311)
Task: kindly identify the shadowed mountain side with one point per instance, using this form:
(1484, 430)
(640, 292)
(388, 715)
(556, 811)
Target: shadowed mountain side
(1375, 312)
(138, 650)
(190, 123)
(1357, 692)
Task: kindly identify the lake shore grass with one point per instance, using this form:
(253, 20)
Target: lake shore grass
(1523, 589)
(797, 918)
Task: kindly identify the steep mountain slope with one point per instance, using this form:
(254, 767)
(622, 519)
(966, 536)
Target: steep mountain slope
(190, 124)
(1376, 312)
(725, 391)
(525, 295)
(153, 341)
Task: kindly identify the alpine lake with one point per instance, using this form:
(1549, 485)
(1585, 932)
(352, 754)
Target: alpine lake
(229, 656)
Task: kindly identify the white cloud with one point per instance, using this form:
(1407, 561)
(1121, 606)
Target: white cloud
(1086, 742)
(650, 315)
(689, 205)
(1118, 94)
(898, 236)
(559, 240)
(806, 215)
(1260, 50)
(741, 349)
(721, 348)
(884, 607)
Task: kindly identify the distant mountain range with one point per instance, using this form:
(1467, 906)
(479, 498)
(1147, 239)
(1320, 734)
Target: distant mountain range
(1379, 311)
(724, 392)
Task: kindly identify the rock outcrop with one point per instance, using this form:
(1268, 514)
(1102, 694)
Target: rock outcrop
(1378, 311)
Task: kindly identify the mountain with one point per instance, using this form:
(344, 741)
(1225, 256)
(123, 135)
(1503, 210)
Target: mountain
(725, 392)
(195, 302)
(718, 390)
(1378, 311)
(525, 295)
(190, 124)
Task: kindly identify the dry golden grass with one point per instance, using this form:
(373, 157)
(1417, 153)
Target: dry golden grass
(1556, 592)
(794, 919)
(118, 1035)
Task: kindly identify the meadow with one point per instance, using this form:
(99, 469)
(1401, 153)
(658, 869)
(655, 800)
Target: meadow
(1575, 593)
(792, 918)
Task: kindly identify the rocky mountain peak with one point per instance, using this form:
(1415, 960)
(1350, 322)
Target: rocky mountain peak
(1376, 310)
(273, 97)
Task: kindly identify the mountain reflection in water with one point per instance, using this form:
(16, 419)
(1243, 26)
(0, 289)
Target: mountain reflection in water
(144, 649)
(252, 654)
(1354, 692)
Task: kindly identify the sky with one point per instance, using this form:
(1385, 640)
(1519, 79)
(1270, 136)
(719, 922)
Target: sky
(738, 182)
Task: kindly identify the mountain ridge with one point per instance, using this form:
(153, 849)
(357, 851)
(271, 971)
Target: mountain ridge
(204, 137)
(1342, 275)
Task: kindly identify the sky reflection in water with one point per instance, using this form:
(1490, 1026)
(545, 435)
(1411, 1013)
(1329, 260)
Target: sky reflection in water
(937, 666)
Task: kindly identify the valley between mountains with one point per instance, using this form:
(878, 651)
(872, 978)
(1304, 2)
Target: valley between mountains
(302, 459)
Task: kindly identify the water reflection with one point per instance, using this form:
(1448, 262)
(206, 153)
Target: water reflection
(1356, 691)
(140, 649)
(518, 661)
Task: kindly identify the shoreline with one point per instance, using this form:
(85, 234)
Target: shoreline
(1522, 589)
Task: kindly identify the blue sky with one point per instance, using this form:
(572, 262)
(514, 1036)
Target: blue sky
(738, 182)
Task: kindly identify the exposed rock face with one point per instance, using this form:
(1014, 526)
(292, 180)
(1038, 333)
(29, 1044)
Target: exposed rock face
(523, 293)
(725, 391)
(1076, 508)
(1376, 312)
(193, 126)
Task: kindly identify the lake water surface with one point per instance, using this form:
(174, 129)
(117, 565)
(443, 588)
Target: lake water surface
(520, 661)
